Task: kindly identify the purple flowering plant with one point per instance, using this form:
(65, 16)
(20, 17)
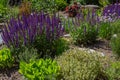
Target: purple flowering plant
(85, 28)
(109, 21)
(111, 13)
(38, 30)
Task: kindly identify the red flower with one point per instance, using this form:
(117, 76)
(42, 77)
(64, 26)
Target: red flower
(67, 9)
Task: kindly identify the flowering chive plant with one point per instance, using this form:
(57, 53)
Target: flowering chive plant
(24, 30)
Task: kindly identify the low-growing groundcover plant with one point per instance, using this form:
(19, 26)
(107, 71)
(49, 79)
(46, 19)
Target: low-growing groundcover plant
(37, 30)
(27, 54)
(77, 64)
(6, 59)
(40, 69)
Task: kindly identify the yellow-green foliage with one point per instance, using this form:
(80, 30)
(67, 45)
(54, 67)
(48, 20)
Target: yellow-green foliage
(40, 69)
(80, 65)
(6, 59)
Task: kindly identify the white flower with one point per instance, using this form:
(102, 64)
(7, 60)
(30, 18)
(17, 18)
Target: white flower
(115, 35)
(102, 54)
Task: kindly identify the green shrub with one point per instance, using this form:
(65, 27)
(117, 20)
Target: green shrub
(26, 55)
(114, 71)
(115, 44)
(61, 4)
(45, 5)
(50, 49)
(3, 2)
(105, 30)
(40, 69)
(85, 34)
(6, 59)
(103, 3)
(80, 65)
(3, 11)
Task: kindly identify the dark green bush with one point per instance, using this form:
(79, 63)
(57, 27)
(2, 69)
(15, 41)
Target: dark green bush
(27, 54)
(45, 5)
(40, 69)
(85, 34)
(3, 2)
(60, 4)
(6, 59)
(3, 11)
(105, 30)
(50, 49)
(77, 64)
(115, 44)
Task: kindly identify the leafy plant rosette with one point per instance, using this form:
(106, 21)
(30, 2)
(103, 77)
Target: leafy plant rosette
(6, 59)
(37, 30)
(84, 34)
(40, 69)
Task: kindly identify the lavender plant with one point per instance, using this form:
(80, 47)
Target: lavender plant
(37, 30)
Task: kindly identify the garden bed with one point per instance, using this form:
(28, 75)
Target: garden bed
(75, 44)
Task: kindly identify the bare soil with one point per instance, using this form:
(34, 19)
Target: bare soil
(10, 74)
